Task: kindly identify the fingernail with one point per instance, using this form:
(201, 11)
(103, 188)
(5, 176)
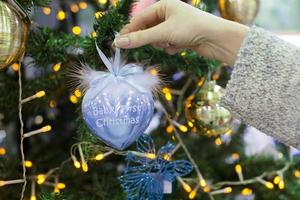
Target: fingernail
(124, 31)
(122, 42)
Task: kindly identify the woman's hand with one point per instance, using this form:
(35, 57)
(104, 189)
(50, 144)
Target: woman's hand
(174, 25)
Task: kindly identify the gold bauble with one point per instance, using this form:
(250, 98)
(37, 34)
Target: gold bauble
(14, 29)
(204, 113)
(242, 11)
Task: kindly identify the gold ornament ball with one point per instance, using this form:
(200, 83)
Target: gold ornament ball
(14, 29)
(205, 114)
(242, 11)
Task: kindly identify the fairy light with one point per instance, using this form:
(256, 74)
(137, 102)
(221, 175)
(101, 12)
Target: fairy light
(185, 186)
(102, 1)
(201, 81)
(183, 128)
(73, 99)
(202, 183)
(10, 182)
(56, 190)
(32, 197)
(85, 166)
(239, 171)
(246, 192)
(227, 190)
(61, 15)
(2, 183)
(52, 103)
(74, 8)
(297, 174)
(151, 156)
(40, 179)
(56, 67)
(229, 132)
(94, 34)
(40, 94)
(206, 189)
(235, 156)
(277, 180)
(190, 124)
(193, 193)
(168, 96)
(169, 129)
(83, 5)
(165, 90)
(99, 14)
(281, 185)
(44, 129)
(196, 2)
(167, 157)
(46, 10)
(99, 156)
(268, 184)
(218, 141)
(15, 67)
(60, 186)
(76, 30)
(77, 93)
(2, 151)
(153, 72)
(28, 164)
(183, 54)
(76, 163)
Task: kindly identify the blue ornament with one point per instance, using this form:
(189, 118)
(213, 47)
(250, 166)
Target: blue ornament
(118, 105)
(143, 177)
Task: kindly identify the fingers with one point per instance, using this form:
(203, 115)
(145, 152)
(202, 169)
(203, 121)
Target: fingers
(173, 50)
(156, 34)
(147, 18)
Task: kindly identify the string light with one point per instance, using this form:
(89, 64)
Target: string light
(297, 174)
(61, 186)
(94, 34)
(239, 171)
(74, 8)
(15, 67)
(169, 129)
(73, 99)
(168, 96)
(32, 197)
(56, 67)
(44, 129)
(61, 15)
(151, 156)
(76, 163)
(277, 179)
(76, 30)
(52, 103)
(193, 193)
(85, 166)
(56, 190)
(46, 10)
(83, 5)
(165, 90)
(196, 2)
(201, 81)
(40, 94)
(206, 189)
(246, 192)
(268, 185)
(183, 54)
(167, 157)
(2, 183)
(183, 128)
(99, 156)
(28, 164)
(153, 72)
(77, 93)
(281, 185)
(190, 124)
(99, 14)
(235, 156)
(202, 183)
(102, 1)
(218, 141)
(2, 151)
(185, 186)
(227, 190)
(41, 178)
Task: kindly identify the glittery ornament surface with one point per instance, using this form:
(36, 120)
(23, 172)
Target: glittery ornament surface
(14, 28)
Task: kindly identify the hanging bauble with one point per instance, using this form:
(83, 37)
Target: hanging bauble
(242, 11)
(205, 114)
(118, 104)
(14, 29)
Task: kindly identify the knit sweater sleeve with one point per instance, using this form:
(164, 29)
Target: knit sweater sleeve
(264, 90)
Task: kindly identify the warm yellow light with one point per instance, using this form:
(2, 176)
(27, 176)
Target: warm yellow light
(238, 169)
(277, 179)
(186, 187)
(102, 1)
(74, 8)
(15, 66)
(56, 67)
(165, 90)
(153, 72)
(56, 190)
(2, 151)
(33, 197)
(2, 183)
(168, 96)
(77, 164)
(76, 30)
(269, 185)
(227, 190)
(167, 157)
(169, 129)
(61, 15)
(28, 163)
(183, 128)
(73, 99)
(99, 14)
(196, 2)
(206, 189)
(94, 34)
(46, 128)
(190, 124)
(52, 103)
(151, 156)
(246, 192)
(115, 2)
(41, 178)
(100, 156)
(218, 141)
(281, 185)
(61, 186)
(202, 183)
(201, 81)
(47, 10)
(192, 194)
(297, 173)
(77, 93)
(83, 5)
(184, 53)
(85, 167)
(235, 156)
(40, 94)
(229, 132)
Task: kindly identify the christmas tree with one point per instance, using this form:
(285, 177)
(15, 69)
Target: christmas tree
(48, 151)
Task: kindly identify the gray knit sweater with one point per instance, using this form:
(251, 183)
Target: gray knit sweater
(264, 90)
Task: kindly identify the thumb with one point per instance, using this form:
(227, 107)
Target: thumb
(155, 34)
